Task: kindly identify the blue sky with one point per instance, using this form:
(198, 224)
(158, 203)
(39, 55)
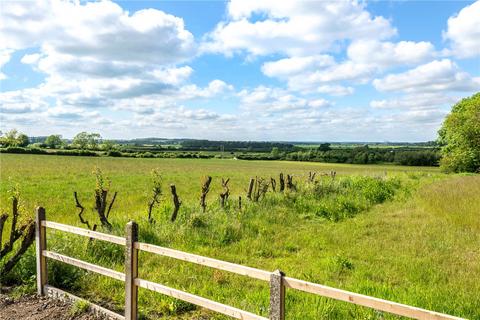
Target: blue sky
(239, 70)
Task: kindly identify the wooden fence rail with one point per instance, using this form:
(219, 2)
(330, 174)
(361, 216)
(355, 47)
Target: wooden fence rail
(277, 279)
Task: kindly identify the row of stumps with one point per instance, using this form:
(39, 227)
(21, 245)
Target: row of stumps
(277, 287)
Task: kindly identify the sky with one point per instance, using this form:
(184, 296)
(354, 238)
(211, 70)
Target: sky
(237, 70)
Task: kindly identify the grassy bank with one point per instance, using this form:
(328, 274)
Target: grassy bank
(407, 234)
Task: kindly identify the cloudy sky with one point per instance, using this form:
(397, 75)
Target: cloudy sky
(238, 70)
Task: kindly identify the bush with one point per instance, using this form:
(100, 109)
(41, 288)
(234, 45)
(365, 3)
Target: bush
(113, 153)
(23, 150)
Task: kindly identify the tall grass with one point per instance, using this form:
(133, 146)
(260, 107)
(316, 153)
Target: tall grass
(405, 234)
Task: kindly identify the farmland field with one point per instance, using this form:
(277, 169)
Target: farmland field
(407, 234)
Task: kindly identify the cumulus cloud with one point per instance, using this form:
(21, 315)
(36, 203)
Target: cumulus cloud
(265, 101)
(292, 66)
(99, 30)
(438, 75)
(415, 101)
(94, 52)
(294, 28)
(463, 31)
(97, 55)
(388, 54)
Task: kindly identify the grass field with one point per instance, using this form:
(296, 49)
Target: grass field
(407, 234)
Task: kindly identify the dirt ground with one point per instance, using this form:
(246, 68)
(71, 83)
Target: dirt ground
(33, 307)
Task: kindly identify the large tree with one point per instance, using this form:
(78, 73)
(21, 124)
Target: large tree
(13, 138)
(54, 141)
(460, 137)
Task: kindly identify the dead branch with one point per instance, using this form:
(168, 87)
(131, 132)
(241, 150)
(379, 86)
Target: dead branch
(273, 183)
(156, 193)
(333, 174)
(27, 230)
(205, 190)
(290, 185)
(250, 188)
(101, 198)
(225, 193)
(79, 206)
(260, 189)
(176, 202)
(282, 182)
(111, 203)
(3, 218)
(240, 203)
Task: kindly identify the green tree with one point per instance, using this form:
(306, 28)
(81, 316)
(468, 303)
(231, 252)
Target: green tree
(93, 140)
(81, 140)
(54, 141)
(22, 140)
(13, 138)
(460, 137)
(107, 145)
(275, 153)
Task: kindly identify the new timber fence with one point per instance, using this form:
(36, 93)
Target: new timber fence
(277, 279)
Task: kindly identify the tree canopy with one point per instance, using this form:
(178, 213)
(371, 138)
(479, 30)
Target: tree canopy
(460, 137)
(13, 138)
(54, 141)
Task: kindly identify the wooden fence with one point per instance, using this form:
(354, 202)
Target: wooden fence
(277, 279)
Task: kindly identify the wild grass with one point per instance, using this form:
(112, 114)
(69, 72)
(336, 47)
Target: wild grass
(406, 234)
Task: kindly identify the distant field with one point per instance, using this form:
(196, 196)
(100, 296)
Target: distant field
(419, 247)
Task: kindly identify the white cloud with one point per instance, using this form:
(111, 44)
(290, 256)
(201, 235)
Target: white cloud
(388, 54)
(96, 51)
(214, 89)
(268, 100)
(97, 55)
(5, 55)
(416, 101)
(291, 66)
(294, 28)
(438, 75)
(100, 30)
(319, 103)
(464, 31)
(335, 90)
(21, 101)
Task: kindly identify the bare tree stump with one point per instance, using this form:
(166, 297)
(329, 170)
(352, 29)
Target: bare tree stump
(282, 182)
(273, 183)
(290, 185)
(260, 189)
(250, 188)
(205, 190)
(176, 202)
(225, 193)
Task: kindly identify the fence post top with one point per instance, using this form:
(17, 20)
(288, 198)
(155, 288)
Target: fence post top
(278, 273)
(40, 213)
(131, 223)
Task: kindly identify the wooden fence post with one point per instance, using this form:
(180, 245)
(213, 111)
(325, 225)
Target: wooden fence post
(131, 271)
(277, 296)
(41, 244)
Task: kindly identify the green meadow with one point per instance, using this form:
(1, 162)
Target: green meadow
(406, 234)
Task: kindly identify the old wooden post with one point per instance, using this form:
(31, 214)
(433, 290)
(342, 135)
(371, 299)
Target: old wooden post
(41, 244)
(131, 271)
(277, 296)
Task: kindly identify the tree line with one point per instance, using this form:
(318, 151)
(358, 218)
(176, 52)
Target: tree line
(457, 148)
